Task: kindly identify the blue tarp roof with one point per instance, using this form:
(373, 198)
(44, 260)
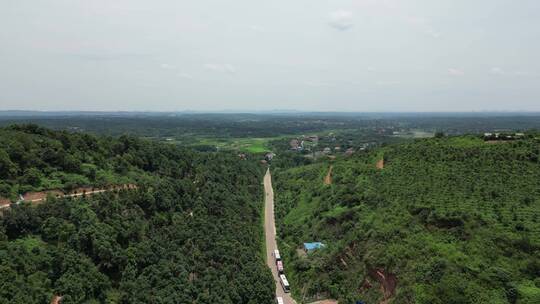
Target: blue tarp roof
(313, 246)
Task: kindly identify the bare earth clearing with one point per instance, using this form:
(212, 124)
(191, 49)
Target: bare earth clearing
(380, 164)
(328, 177)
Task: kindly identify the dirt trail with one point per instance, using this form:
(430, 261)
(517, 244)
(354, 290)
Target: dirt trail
(270, 235)
(328, 177)
(56, 300)
(380, 164)
(39, 197)
(4, 202)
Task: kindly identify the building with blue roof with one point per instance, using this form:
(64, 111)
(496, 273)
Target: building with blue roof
(309, 247)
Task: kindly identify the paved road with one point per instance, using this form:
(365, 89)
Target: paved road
(270, 232)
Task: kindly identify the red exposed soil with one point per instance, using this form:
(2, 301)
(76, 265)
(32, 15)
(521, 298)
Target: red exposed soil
(39, 196)
(328, 177)
(366, 284)
(380, 164)
(4, 202)
(56, 300)
(387, 281)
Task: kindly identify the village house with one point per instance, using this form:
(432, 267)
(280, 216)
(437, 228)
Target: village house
(295, 144)
(310, 247)
(498, 136)
(313, 138)
(269, 156)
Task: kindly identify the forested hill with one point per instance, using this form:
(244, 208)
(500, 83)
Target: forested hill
(34, 159)
(189, 233)
(449, 220)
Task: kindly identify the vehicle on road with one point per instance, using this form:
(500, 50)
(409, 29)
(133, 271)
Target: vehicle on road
(279, 300)
(284, 283)
(276, 255)
(279, 266)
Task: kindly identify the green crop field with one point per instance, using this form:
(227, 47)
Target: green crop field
(251, 145)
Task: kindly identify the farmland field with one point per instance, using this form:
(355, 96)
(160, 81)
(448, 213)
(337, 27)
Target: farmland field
(252, 145)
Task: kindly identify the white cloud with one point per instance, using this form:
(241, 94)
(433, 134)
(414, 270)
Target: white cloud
(433, 33)
(220, 67)
(414, 20)
(317, 84)
(524, 74)
(256, 28)
(185, 76)
(422, 24)
(456, 72)
(167, 66)
(387, 83)
(496, 71)
(341, 20)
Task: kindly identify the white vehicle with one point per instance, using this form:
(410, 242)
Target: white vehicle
(279, 300)
(279, 266)
(284, 283)
(276, 255)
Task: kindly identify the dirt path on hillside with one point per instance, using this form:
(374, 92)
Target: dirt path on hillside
(4, 203)
(380, 164)
(328, 177)
(39, 197)
(270, 235)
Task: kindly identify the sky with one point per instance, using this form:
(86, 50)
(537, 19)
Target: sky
(253, 55)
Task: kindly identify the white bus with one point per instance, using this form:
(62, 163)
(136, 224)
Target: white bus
(284, 283)
(279, 300)
(276, 255)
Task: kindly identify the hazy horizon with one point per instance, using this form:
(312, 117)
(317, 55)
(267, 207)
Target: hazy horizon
(262, 111)
(359, 56)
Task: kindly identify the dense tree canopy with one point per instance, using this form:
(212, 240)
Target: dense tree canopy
(190, 232)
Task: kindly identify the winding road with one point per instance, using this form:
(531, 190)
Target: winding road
(270, 233)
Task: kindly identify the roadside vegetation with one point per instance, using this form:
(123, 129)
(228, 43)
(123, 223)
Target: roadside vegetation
(447, 220)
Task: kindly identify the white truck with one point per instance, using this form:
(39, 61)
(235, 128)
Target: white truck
(276, 255)
(284, 283)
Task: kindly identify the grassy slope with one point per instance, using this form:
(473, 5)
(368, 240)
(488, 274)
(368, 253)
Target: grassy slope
(457, 221)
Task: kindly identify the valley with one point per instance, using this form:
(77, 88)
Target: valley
(357, 215)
